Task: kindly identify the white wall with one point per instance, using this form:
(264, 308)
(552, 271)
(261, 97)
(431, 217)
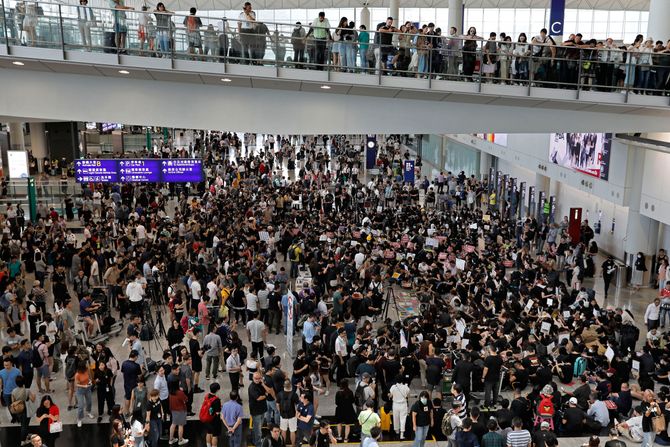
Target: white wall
(592, 206)
(655, 197)
(531, 151)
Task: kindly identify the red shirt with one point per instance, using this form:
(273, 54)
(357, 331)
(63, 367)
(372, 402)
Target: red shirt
(178, 401)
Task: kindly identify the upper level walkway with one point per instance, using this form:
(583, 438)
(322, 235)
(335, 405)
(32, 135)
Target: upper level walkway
(67, 67)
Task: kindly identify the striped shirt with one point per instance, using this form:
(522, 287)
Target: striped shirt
(518, 438)
(463, 413)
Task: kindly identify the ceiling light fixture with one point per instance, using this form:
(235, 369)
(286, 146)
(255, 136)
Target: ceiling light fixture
(124, 72)
(325, 87)
(19, 63)
(226, 80)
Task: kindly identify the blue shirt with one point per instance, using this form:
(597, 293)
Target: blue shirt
(306, 410)
(9, 379)
(231, 411)
(83, 305)
(309, 331)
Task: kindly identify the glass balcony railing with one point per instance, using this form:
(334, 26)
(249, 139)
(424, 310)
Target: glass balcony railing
(638, 69)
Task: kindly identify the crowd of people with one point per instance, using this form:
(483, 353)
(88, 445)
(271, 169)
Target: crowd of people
(406, 49)
(293, 221)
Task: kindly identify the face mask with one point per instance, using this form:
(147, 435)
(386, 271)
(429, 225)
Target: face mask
(424, 401)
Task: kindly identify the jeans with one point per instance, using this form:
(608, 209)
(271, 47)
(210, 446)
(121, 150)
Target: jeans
(83, 398)
(235, 438)
(155, 430)
(490, 387)
(213, 365)
(665, 314)
(643, 80)
(648, 439)
(272, 414)
(420, 435)
(163, 40)
(234, 380)
(364, 58)
(274, 320)
(256, 434)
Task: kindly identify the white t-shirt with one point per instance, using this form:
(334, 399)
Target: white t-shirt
(399, 393)
(211, 290)
(252, 302)
(196, 290)
(141, 232)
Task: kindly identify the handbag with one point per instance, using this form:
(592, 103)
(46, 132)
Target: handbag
(658, 422)
(17, 407)
(56, 427)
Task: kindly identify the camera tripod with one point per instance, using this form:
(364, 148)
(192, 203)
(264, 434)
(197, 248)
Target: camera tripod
(155, 325)
(388, 299)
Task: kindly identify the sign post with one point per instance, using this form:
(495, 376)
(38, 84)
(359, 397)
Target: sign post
(289, 322)
(556, 17)
(32, 199)
(408, 171)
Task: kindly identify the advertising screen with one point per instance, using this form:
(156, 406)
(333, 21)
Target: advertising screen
(588, 153)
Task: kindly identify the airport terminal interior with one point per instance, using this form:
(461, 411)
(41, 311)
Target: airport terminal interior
(343, 222)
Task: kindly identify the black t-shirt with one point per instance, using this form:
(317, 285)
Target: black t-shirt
(545, 438)
(494, 364)
(422, 413)
(319, 439)
(385, 37)
(155, 409)
(574, 418)
(256, 406)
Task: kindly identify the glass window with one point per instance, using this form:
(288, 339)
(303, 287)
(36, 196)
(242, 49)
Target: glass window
(442, 19)
(632, 16)
(506, 17)
(599, 30)
(616, 16)
(475, 15)
(522, 19)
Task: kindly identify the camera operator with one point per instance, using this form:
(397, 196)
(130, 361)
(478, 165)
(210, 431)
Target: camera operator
(135, 290)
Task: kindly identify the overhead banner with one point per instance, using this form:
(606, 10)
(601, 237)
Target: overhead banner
(408, 171)
(556, 17)
(371, 152)
(173, 170)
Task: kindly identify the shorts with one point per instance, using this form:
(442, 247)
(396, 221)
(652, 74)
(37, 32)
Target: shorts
(214, 427)
(127, 393)
(335, 47)
(179, 418)
(120, 28)
(141, 33)
(288, 424)
(43, 371)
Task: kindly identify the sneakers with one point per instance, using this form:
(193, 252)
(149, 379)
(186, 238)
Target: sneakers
(206, 377)
(327, 393)
(90, 416)
(79, 423)
(172, 441)
(183, 441)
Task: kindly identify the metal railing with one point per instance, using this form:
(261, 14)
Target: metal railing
(636, 69)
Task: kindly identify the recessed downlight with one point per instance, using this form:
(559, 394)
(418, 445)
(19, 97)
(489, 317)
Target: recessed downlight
(124, 72)
(325, 87)
(18, 63)
(226, 80)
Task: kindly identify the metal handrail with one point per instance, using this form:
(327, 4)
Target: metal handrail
(420, 45)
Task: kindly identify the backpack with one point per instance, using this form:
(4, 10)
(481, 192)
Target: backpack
(446, 427)
(546, 407)
(206, 412)
(359, 395)
(580, 367)
(36, 357)
(70, 368)
(292, 251)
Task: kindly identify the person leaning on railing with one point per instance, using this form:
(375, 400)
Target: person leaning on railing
(320, 29)
(246, 27)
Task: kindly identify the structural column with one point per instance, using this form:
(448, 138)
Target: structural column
(455, 16)
(17, 141)
(38, 143)
(542, 183)
(658, 26)
(641, 231)
(365, 17)
(485, 163)
(394, 11)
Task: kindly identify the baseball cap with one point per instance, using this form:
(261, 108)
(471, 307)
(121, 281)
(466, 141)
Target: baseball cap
(544, 424)
(573, 401)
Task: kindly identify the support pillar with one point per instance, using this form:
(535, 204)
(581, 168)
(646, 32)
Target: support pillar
(455, 16)
(39, 146)
(554, 188)
(485, 163)
(641, 231)
(17, 141)
(394, 11)
(365, 17)
(658, 26)
(542, 183)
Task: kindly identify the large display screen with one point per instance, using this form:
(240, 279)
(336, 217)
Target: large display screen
(584, 152)
(129, 170)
